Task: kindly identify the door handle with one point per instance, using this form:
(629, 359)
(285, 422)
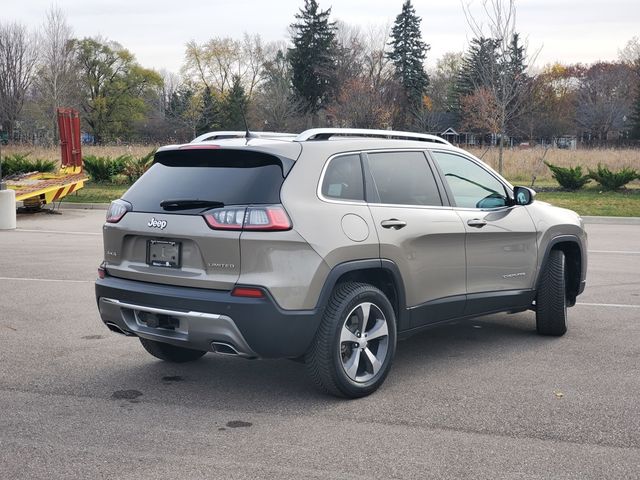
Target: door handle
(393, 223)
(476, 222)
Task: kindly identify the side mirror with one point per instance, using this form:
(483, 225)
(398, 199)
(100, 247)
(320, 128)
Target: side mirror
(523, 195)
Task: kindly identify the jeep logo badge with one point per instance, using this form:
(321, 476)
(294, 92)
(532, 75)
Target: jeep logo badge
(153, 223)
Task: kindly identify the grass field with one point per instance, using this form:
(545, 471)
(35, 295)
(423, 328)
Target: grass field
(521, 167)
(520, 164)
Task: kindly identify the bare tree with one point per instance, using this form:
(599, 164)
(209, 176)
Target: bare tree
(56, 79)
(506, 80)
(18, 60)
(275, 104)
(605, 98)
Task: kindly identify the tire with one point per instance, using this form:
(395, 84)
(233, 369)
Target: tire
(551, 299)
(343, 362)
(171, 353)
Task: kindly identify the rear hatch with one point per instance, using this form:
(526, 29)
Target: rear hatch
(180, 223)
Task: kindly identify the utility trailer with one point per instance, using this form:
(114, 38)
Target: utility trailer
(36, 189)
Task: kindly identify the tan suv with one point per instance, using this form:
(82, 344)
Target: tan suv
(328, 246)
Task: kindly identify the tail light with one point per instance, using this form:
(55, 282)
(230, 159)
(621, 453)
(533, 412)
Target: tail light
(260, 218)
(117, 210)
(102, 271)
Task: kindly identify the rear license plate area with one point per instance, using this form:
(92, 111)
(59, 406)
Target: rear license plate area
(161, 253)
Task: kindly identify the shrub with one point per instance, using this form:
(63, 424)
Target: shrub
(135, 167)
(19, 163)
(613, 180)
(570, 178)
(101, 169)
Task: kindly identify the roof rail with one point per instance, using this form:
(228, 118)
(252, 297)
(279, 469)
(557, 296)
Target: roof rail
(327, 133)
(221, 135)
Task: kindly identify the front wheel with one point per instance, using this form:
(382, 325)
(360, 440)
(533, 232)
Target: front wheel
(170, 353)
(353, 349)
(551, 299)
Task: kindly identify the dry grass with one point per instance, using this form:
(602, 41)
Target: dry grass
(520, 164)
(53, 153)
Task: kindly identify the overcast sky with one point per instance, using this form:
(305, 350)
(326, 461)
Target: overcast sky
(156, 31)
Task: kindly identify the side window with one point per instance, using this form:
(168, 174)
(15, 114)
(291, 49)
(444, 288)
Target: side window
(471, 185)
(404, 178)
(343, 179)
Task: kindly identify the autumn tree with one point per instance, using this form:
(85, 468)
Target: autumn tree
(312, 55)
(442, 90)
(215, 63)
(408, 53)
(481, 112)
(550, 110)
(113, 87)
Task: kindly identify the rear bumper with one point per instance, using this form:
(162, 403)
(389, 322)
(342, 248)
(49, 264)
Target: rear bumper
(253, 327)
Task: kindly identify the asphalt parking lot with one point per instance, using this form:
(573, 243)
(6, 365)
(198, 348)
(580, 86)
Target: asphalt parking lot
(481, 399)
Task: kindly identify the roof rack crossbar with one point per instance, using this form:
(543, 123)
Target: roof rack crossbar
(222, 134)
(327, 133)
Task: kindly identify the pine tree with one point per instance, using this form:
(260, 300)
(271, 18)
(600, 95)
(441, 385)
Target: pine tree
(408, 53)
(312, 56)
(479, 59)
(210, 113)
(516, 57)
(234, 106)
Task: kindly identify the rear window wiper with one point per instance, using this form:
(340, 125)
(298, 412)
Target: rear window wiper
(187, 204)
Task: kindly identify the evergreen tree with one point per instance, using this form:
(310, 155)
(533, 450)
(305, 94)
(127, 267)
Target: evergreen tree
(408, 53)
(312, 56)
(210, 114)
(479, 59)
(179, 102)
(234, 106)
(516, 57)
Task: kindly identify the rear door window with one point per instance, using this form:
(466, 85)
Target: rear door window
(233, 177)
(404, 178)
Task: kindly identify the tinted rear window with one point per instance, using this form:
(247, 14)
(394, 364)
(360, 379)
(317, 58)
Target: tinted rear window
(404, 178)
(233, 177)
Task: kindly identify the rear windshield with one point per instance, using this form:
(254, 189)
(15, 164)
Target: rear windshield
(233, 177)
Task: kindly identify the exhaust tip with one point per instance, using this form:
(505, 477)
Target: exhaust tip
(224, 348)
(115, 328)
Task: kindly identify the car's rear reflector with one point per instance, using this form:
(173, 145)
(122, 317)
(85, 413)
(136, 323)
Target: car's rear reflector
(248, 292)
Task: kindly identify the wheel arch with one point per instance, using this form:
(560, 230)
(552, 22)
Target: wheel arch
(572, 248)
(382, 274)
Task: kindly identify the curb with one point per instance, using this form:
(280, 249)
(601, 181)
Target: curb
(83, 206)
(611, 220)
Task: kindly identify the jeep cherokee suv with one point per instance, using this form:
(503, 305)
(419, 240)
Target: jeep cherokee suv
(328, 246)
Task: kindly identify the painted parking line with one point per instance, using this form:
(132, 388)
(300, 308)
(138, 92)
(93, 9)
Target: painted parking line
(55, 280)
(56, 231)
(616, 305)
(616, 252)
